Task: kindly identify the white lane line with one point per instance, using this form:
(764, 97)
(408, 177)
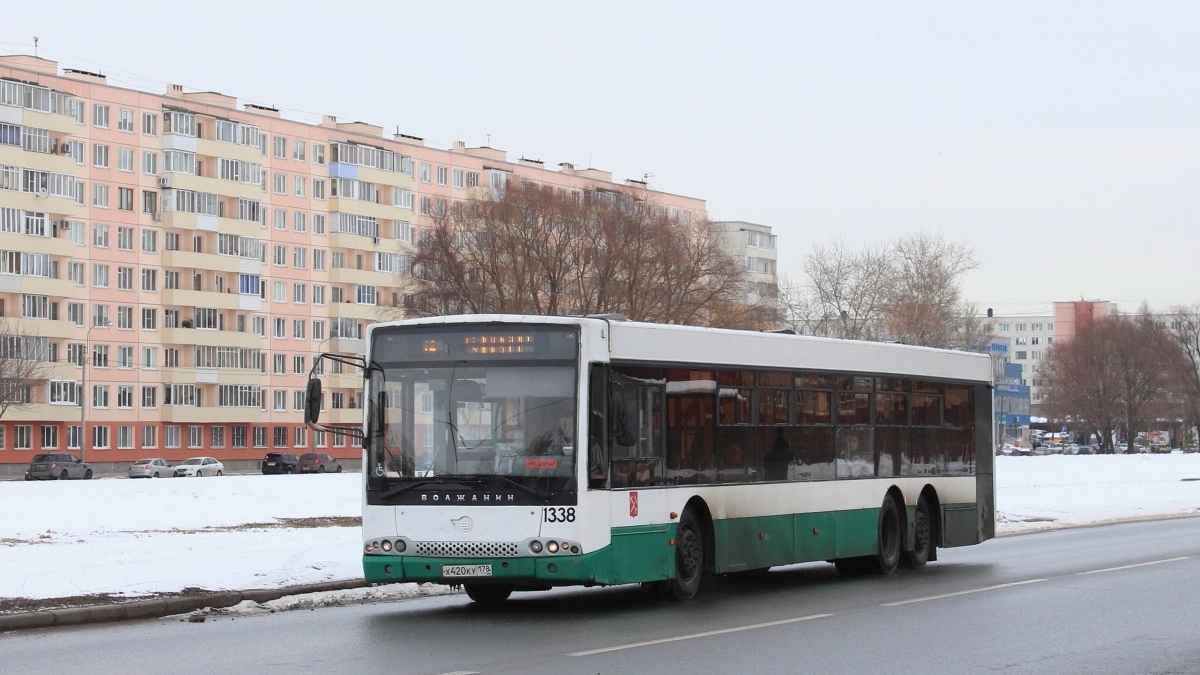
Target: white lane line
(462, 672)
(693, 636)
(1126, 567)
(951, 595)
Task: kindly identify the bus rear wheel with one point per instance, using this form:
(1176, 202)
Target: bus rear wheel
(922, 538)
(486, 594)
(887, 556)
(689, 557)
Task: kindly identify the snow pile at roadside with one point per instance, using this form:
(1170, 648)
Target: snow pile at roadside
(133, 538)
(1038, 493)
(388, 593)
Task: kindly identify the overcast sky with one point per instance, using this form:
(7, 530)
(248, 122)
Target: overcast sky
(1058, 139)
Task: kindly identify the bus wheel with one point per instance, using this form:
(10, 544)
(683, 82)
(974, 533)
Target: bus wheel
(689, 557)
(487, 594)
(887, 557)
(922, 538)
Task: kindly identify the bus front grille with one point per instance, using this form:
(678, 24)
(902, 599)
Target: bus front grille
(470, 549)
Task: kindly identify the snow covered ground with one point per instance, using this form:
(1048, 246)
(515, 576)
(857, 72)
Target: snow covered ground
(134, 537)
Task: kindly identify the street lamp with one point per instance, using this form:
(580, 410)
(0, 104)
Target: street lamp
(87, 358)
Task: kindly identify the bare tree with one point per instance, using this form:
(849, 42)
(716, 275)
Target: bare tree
(924, 303)
(1185, 334)
(531, 250)
(1082, 383)
(906, 290)
(24, 361)
(846, 290)
(1116, 373)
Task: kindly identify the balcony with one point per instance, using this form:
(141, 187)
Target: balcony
(347, 275)
(225, 188)
(28, 201)
(359, 207)
(211, 261)
(342, 417)
(191, 221)
(214, 149)
(48, 328)
(43, 412)
(349, 310)
(56, 162)
(220, 338)
(61, 124)
(55, 288)
(184, 298)
(210, 414)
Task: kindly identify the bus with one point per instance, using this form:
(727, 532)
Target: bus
(510, 453)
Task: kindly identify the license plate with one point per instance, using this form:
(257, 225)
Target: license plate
(466, 570)
(270, 463)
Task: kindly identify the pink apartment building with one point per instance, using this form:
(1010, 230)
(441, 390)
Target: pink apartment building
(178, 261)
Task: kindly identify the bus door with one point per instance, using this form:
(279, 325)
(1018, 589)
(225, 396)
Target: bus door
(635, 433)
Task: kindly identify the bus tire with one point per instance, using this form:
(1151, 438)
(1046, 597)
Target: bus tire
(887, 556)
(922, 538)
(689, 557)
(486, 594)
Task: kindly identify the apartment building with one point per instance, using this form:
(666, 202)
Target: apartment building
(177, 261)
(754, 244)
(1031, 336)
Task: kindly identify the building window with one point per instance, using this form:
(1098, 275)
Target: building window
(100, 438)
(149, 437)
(298, 151)
(149, 124)
(100, 116)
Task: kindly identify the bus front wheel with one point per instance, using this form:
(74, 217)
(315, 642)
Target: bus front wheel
(486, 594)
(689, 557)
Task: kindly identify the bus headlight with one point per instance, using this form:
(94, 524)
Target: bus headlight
(552, 547)
(535, 546)
(400, 546)
(387, 546)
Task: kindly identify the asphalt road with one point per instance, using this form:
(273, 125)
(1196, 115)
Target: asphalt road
(1115, 599)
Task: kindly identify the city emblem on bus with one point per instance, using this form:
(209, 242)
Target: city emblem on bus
(633, 509)
(462, 524)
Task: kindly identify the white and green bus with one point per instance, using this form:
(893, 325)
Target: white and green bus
(509, 453)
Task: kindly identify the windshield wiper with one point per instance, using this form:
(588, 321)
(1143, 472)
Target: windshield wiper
(401, 489)
(544, 496)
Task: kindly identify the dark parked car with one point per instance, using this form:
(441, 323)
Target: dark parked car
(281, 462)
(57, 465)
(319, 462)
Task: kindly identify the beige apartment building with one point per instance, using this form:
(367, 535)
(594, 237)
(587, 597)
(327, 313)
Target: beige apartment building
(177, 261)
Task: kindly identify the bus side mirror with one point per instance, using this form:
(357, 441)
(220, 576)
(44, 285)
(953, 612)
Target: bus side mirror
(312, 402)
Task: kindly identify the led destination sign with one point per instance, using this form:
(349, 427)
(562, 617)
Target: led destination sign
(419, 343)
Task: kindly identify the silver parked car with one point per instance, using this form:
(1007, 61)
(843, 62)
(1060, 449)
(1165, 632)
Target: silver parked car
(199, 466)
(154, 467)
(57, 465)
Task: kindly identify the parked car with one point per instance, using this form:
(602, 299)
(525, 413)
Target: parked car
(319, 462)
(154, 467)
(1041, 450)
(57, 466)
(280, 462)
(1088, 450)
(199, 466)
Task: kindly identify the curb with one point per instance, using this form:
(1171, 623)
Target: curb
(160, 607)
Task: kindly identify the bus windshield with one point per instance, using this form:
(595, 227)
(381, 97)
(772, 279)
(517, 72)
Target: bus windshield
(473, 425)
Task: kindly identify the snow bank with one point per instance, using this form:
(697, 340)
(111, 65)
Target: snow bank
(134, 537)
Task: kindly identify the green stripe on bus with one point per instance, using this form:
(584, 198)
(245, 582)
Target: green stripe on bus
(645, 553)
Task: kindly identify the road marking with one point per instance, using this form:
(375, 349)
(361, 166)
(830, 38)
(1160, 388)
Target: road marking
(951, 595)
(693, 636)
(1126, 567)
(463, 672)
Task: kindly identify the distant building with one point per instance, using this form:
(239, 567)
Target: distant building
(754, 244)
(1031, 336)
(189, 258)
